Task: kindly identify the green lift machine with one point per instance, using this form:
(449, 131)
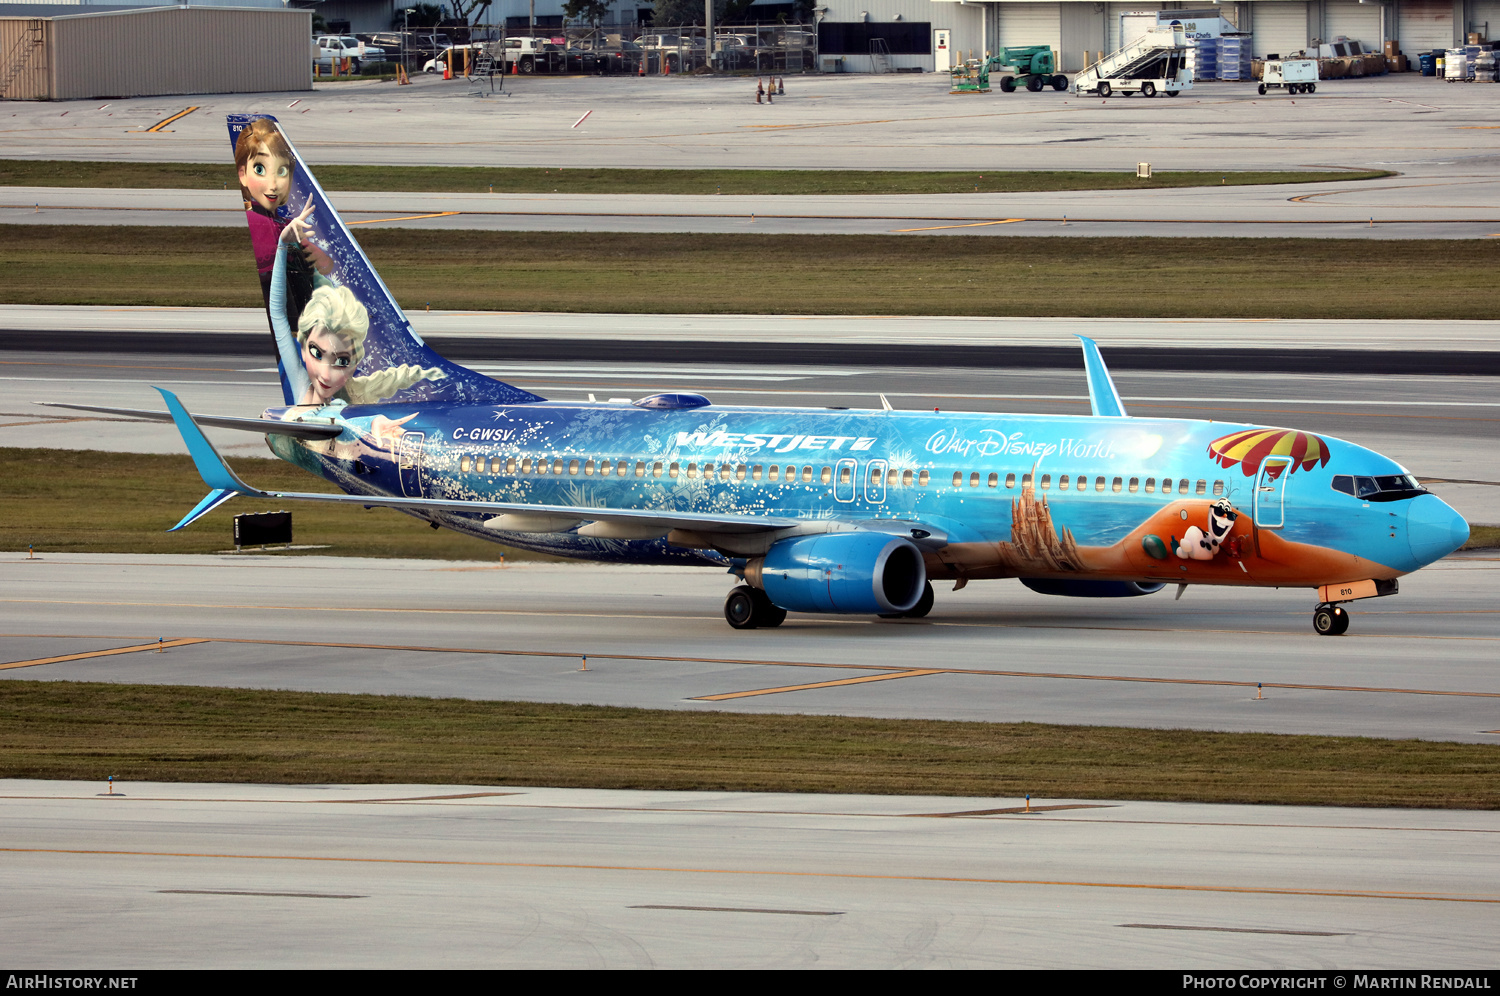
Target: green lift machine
(1031, 66)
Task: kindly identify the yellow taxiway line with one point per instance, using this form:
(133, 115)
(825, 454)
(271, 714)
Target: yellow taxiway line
(939, 228)
(410, 217)
(142, 648)
(816, 684)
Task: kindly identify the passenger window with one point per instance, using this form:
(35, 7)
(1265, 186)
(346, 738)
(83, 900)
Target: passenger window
(510, 465)
(1010, 480)
(463, 462)
(958, 478)
(845, 473)
(1062, 483)
(974, 480)
(656, 469)
(605, 467)
(923, 478)
(892, 478)
(526, 465)
(541, 466)
(906, 478)
(1218, 487)
(1099, 484)
(807, 475)
(1150, 485)
(826, 475)
(708, 471)
(1166, 485)
(640, 468)
(1202, 488)
(1026, 480)
(572, 468)
(622, 468)
(692, 471)
(724, 471)
(557, 466)
(1116, 485)
(674, 470)
(755, 473)
(775, 473)
(588, 468)
(791, 474)
(1182, 486)
(1046, 481)
(1135, 485)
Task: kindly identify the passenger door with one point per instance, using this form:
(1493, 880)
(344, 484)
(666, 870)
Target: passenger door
(409, 452)
(1270, 492)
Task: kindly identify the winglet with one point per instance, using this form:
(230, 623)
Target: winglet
(210, 501)
(211, 467)
(1103, 397)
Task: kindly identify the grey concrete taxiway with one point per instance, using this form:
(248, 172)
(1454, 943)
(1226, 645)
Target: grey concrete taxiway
(435, 876)
(1419, 664)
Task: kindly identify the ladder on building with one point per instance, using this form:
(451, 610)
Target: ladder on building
(21, 54)
(880, 56)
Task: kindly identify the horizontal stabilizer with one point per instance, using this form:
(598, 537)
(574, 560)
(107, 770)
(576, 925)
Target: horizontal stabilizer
(301, 430)
(210, 501)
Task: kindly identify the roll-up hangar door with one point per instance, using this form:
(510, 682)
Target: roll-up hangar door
(1484, 17)
(1112, 20)
(1280, 28)
(1028, 24)
(1356, 21)
(1423, 25)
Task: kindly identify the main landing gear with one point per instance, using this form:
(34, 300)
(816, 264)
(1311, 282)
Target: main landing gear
(1330, 620)
(749, 608)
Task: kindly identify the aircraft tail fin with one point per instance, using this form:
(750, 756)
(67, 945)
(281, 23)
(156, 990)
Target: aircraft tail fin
(330, 284)
(1103, 398)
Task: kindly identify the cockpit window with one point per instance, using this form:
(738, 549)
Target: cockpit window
(1391, 487)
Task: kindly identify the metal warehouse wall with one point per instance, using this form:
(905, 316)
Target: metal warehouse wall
(180, 50)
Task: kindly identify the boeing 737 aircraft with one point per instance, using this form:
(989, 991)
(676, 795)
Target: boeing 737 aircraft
(814, 509)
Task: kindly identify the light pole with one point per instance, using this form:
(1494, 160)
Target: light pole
(405, 33)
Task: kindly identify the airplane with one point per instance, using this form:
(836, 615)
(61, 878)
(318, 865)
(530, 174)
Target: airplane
(812, 510)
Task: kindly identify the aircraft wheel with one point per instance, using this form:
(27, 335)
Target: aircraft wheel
(739, 607)
(767, 613)
(1104, 89)
(1330, 620)
(1148, 89)
(1059, 83)
(924, 604)
(1262, 89)
(1034, 84)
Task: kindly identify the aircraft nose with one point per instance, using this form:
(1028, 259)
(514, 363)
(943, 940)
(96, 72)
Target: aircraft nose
(1434, 529)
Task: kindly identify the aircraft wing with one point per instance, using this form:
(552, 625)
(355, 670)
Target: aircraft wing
(302, 430)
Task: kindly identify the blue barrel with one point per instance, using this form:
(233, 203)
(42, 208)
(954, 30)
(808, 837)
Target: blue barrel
(1428, 61)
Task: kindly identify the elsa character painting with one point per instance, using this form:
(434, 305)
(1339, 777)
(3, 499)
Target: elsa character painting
(320, 360)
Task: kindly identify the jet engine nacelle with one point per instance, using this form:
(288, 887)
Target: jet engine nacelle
(860, 572)
(1093, 589)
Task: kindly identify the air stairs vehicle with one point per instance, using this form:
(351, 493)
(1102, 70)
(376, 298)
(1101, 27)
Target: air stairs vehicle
(1155, 62)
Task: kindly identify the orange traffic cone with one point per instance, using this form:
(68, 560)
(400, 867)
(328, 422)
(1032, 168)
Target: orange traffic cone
(447, 71)
(515, 69)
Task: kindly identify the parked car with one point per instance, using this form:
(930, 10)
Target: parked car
(613, 55)
(439, 62)
(535, 55)
(339, 48)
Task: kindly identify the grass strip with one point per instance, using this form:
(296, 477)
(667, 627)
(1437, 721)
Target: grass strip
(86, 731)
(538, 180)
(784, 274)
(87, 501)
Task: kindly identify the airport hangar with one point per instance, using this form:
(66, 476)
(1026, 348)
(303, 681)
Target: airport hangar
(1071, 27)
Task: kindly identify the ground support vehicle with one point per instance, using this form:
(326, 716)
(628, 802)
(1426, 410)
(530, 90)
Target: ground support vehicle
(1031, 66)
(1295, 75)
(1154, 62)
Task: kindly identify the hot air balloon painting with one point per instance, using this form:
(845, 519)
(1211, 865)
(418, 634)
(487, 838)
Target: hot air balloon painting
(1250, 446)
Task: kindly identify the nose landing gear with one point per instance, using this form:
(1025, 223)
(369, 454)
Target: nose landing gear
(1330, 620)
